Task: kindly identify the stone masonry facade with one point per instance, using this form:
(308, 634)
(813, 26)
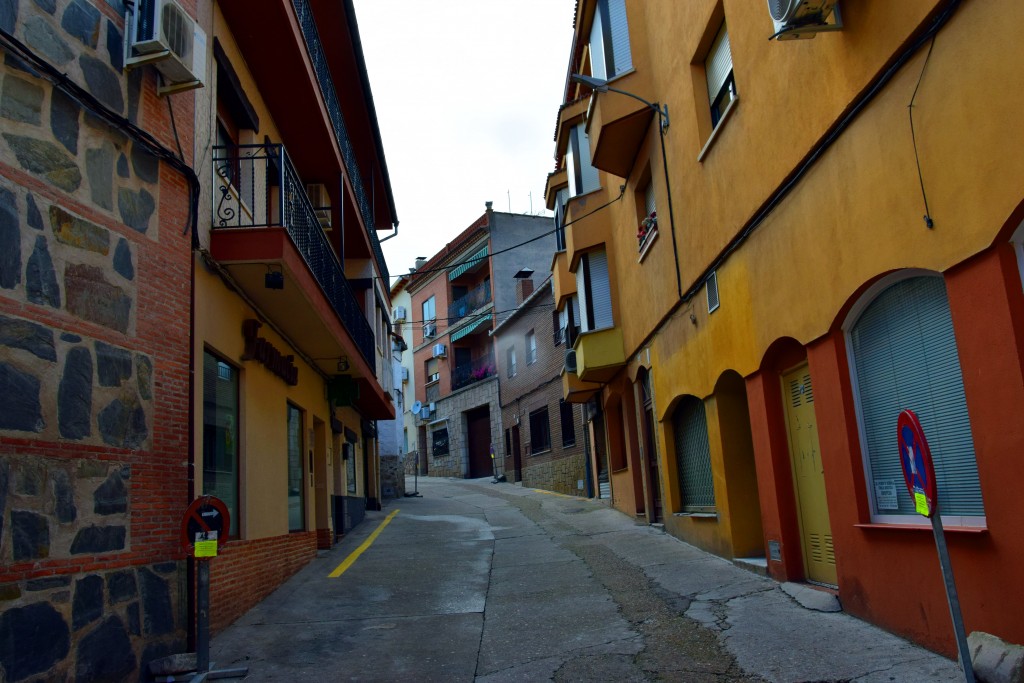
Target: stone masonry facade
(454, 407)
(94, 353)
(536, 386)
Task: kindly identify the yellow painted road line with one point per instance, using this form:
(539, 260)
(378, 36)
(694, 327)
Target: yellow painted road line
(354, 555)
(555, 493)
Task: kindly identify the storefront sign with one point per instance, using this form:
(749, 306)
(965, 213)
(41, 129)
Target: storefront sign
(266, 354)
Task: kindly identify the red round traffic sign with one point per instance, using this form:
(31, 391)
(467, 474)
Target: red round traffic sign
(916, 460)
(204, 515)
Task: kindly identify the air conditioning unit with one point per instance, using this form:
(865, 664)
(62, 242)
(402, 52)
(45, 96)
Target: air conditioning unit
(161, 33)
(405, 375)
(439, 351)
(321, 201)
(803, 18)
(570, 361)
(433, 407)
(429, 331)
(399, 314)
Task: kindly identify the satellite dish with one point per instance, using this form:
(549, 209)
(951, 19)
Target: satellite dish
(416, 407)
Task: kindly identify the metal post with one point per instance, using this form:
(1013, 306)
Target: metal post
(963, 652)
(203, 616)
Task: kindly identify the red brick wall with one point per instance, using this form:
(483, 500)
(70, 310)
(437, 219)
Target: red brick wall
(246, 572)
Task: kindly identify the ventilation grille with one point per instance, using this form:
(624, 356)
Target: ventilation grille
(712, 291)
(801, 392)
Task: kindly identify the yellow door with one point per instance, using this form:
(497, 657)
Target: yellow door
(809, 477)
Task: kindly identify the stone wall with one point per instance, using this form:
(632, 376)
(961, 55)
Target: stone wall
(456, 462)
(392, 476)
(94, 353)
(562, 475)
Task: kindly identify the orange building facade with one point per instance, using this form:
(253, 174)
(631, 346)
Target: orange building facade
(769, 254)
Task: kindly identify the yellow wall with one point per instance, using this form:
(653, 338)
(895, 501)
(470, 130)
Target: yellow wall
(263, 400)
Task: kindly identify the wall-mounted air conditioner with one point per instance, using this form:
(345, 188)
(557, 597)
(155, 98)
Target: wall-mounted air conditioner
(803, 18)
(161, 33)
(321, 201)
(570, 361)
(399, 314)
(439, 351)
(429, 331)
(405, 375)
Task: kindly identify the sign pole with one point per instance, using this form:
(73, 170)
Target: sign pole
(203, 617)
(963, 651)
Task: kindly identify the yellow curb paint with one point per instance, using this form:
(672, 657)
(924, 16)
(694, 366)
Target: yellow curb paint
(354, 555)
(553, 493)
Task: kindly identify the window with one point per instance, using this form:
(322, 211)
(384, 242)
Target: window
(693, 455)
(540, 431)
(904, 355)
(594, 291)
(565, 413)
(220, 434)
(296, 511)
(561, 197)
(531, 348)
(429, 314)
(348, 454)
(582, 175)
(432, 370)
(510, 360)
(609, 40)
(439, 438)
(648, 225)
(508, 443)
(718, 69)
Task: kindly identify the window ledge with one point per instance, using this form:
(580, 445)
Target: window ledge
(696, 515)
(646, 247)
(544, 452)
(919, 527)
(721, 124)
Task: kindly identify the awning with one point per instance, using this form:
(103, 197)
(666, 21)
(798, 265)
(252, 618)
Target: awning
(468, 329)
(470, 263)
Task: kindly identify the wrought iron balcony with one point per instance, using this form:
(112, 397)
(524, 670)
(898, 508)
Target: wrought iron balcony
(256, 186)
(323, 74)
(470, 373)
(478, 297)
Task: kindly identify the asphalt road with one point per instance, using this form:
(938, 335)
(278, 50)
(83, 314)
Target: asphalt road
(486, 582)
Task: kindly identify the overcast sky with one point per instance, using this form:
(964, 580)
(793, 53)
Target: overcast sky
(467, 95)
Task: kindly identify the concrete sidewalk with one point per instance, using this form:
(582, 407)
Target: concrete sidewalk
(477, 581)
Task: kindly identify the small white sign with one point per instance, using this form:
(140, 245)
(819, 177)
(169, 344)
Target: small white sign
(885, 494)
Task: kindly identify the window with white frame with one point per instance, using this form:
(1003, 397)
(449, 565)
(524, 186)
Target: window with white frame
(583, 176)
(903, 355)
(693, 456)
(531, 348)
(429, 314)
(721, 83)
(594, 291)
(610, 54)
(510, 361)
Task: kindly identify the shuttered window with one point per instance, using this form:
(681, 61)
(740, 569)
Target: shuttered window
(583, 176)
(718, 70)
(610, 53)
(594, 290)
(905, 356)
(693, 456)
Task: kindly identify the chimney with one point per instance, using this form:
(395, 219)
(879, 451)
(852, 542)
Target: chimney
(489, 205)
(420, 262)
(524, 288)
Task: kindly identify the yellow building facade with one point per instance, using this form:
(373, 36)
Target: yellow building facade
(762, 214)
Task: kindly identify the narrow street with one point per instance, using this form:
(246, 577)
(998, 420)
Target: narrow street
(476, 581)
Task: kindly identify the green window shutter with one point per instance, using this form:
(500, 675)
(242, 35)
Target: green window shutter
(693, 454)
(905, 356)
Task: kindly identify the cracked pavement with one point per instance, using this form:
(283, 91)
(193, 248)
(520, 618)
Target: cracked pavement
(486, 582)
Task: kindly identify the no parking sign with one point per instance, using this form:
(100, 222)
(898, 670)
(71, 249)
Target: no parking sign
(916, 459)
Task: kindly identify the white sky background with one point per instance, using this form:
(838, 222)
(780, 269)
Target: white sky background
(467, 95)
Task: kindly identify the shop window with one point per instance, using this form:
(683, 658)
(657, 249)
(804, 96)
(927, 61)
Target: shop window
(540, 431)
(220, 434)
(296, 481)
(693, 456)
(904, 355)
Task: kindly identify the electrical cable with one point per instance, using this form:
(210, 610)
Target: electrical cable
(913, 136)
(453, 266)
(87, 100)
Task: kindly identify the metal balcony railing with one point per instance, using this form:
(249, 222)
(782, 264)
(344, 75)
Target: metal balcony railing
(477, 370)
(323, 74)
(477, 298)
(256, 186)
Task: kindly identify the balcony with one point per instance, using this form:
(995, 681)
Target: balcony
(575, 390)
(473, 372)
(599, 354)
(584, 231)
(475, 299)
(264, 224)
(618, 125)
(563, 281)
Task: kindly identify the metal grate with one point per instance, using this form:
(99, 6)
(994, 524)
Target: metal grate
(177, 31)
(693, 454)
(712, 292)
